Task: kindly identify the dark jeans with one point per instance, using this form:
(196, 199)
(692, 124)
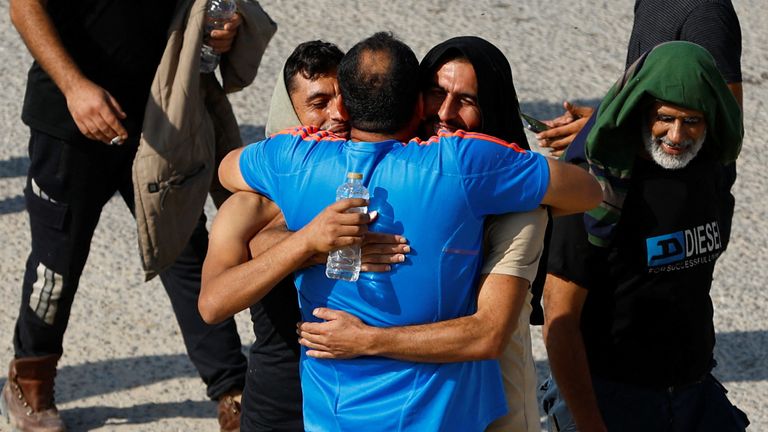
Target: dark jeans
(68, 184)
(698, 407)
(272, 396)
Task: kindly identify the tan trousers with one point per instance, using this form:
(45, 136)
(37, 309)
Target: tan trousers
(519, 375)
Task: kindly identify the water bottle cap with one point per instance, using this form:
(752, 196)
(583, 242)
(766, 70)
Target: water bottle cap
(355, 176)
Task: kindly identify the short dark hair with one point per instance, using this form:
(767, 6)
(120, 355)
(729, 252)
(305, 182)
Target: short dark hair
(311, 59)
(379, 84)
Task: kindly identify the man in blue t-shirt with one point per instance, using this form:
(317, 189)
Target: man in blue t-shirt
(437, 193)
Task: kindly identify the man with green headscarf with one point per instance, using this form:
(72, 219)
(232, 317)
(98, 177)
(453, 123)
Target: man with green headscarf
(629, 328)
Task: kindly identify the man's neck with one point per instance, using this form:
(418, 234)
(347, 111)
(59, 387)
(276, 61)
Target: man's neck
(359, 135)
(365, 136)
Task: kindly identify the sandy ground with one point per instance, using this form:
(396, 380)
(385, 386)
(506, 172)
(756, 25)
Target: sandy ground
(125, 368)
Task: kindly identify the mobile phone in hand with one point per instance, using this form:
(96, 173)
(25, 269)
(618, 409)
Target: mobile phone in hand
(532, 124)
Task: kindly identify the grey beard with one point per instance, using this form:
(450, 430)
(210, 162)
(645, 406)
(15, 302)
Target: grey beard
(665, 160)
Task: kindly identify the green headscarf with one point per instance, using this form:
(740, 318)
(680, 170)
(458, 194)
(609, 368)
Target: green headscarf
(680, 73)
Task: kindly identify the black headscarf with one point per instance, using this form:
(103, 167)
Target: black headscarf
(496, 94)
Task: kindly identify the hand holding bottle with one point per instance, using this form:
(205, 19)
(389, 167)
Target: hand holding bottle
(344, 263)
(221, 21)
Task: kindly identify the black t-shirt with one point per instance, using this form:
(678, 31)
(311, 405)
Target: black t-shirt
(116, 44)
(647, 318)
(712, 24)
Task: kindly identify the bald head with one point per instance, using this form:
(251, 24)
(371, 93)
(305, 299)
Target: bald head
(377, 84)
(375, 63)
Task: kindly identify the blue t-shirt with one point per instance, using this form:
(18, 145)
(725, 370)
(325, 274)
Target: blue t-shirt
(436, 193)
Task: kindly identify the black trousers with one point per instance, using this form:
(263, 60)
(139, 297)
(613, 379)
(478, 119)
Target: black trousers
(272, 396)
(68, 184)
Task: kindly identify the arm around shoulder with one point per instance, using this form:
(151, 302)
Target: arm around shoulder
(225, 289)
(229, 172)
(232, 281)
(571, 189)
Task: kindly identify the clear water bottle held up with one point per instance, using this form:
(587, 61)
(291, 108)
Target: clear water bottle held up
(344, 263)
(216, 15)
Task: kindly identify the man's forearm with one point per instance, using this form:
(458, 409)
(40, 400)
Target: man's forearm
(563, 301)
(233, 284)
(568, 362)
(239, 287)
(42, 39)
(482, 335)
(268, 237)
(460, 339)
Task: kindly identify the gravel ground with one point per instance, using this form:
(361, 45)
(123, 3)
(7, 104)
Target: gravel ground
(125, 368)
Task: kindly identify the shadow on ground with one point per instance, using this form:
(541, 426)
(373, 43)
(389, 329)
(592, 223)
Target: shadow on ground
(12, 205)
(93, 417)
(11, 168)
(740, 356)
(109, 376)
(14, 167)
(104, 377)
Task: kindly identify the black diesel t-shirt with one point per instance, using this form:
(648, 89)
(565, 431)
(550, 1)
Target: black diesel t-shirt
(647, 318)
(712, 24)
(116, 44)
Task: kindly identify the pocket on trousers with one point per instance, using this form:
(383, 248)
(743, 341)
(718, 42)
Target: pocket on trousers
(718, 413)
(45, 211)
(559, 418)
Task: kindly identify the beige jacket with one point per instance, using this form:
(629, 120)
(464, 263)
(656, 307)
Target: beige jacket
(188, 128)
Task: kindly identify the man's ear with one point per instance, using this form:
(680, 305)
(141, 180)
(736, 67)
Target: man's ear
(341, 108)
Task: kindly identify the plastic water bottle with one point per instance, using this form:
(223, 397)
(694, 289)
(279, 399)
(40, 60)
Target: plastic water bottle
(344, 263)
(217, 14)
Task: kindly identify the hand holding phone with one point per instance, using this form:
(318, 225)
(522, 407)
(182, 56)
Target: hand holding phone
(536, 126)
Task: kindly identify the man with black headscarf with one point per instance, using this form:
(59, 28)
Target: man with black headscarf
(495, 97)
(467, 84)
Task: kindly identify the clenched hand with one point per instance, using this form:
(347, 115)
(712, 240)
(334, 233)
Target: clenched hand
(96, 113)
